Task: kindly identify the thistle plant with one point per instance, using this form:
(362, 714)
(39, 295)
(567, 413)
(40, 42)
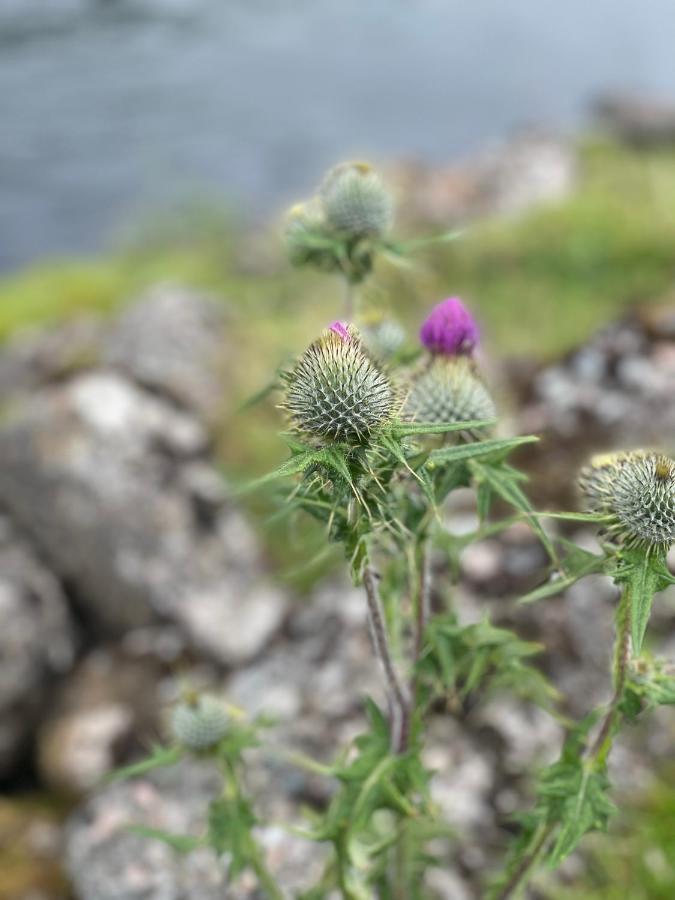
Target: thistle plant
(376, 447)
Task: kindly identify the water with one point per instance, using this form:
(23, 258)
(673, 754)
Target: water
(110, 107)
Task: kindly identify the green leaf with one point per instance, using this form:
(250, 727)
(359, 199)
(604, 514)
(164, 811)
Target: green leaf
(230, 822)
(576, 564)
(643, 575)
(405, 429)
(504, 482)
(181, 843)
(297, 463)
(161, 757)
(496, 446)
(585, 808)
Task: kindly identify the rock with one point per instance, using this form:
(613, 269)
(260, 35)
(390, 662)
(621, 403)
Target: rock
(107, 708)
(36, 357)
(532, 168)
(638, 121)
(37, 641)
(107, 862)
(112, 484)
(174, 342)
(614, 392)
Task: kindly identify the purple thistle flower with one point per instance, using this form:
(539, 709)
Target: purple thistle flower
(340, 329)
(449, 329)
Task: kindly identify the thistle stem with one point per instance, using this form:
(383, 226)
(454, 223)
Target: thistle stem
(423, 598)
(349, 299)
(527, 864)
(599, 750)
(399, 701)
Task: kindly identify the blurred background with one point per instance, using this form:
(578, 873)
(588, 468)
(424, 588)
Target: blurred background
(148, 151)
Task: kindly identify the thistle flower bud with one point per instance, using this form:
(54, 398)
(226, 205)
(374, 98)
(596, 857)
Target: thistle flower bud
(355, 201)
(304, 232)
(449, 329)
(636, 490)
(448, 390)
(384, 337)
(199, 722)
(336, 392)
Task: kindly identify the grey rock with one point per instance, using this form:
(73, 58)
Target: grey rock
(108, 481)
(639, 121)
(107, 862)
(173, 341)
(37, 641)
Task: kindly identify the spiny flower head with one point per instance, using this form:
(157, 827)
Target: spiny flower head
(449, 329)
(448, 389)
(355, 202)
(199, 721)
(636, 490)
(336, 392)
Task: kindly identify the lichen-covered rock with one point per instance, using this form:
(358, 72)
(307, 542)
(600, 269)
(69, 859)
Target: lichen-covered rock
(37, 641)
(113, 486)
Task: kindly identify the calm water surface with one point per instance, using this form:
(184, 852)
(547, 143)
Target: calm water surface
(111, 107)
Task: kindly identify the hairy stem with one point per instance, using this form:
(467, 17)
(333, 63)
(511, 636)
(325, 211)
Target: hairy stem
(399, 701)
(522, 873)
(599, 750)
(423, 598)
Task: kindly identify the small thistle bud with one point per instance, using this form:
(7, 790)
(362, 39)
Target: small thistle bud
(449, 329)
(448, 390)
(199, 722)
(304, 232)
(384, 337)
(355, 201)
(336, 392)
(636, 490)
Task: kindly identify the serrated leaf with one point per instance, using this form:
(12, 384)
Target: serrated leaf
(297, 463)
(642, 575)
(406, 429)
(586, 808)
(230, 822)
(496, 446)
(576, 564)
(160, 757)
(181, 843)
(504, 482)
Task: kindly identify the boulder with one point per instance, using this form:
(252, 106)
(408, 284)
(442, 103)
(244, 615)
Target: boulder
(37, 641)
(112, 484)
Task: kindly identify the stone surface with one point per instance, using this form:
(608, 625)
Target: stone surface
(637, 120)
(37, 641)
(173, 341)
(531, 169)
(113, 485)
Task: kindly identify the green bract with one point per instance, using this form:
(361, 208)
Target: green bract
(200, 722)
(447, 389)
(355, 201)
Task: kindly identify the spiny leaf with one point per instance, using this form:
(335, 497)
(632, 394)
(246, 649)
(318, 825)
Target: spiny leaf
(576, 564)
(161, 757)
(405, 429)
(181, 843)
(475, 450)
(586, 808)
(643, 576)
(504, 481)
(297, 463)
